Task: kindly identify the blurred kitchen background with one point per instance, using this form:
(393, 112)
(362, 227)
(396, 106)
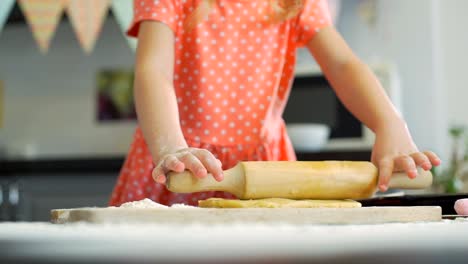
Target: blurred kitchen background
(66, 112)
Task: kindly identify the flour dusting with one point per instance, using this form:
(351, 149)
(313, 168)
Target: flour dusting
(148, 203)
(145, 203)
(184, 206)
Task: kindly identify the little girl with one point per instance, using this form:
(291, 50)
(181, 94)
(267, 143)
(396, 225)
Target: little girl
(212, 78)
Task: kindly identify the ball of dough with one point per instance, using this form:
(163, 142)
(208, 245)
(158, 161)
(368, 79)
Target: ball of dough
(461, 207)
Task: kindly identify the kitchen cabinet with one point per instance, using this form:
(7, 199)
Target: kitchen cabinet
(32, 187)
(31, 197)
(351, 155)
(4, 214)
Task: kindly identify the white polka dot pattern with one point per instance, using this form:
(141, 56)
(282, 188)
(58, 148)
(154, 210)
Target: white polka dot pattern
(232, 76)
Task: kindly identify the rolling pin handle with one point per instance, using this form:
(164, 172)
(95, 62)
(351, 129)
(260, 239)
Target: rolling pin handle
(400, 180)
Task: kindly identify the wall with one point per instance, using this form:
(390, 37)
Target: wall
(454, 43)
(454, 39)
(49, 100)
(406, 33)
(424, 38)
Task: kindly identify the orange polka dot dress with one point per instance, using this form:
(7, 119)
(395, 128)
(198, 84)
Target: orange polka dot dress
(232, 77)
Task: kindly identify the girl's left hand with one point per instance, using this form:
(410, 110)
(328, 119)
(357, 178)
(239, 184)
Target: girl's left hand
(394, 150)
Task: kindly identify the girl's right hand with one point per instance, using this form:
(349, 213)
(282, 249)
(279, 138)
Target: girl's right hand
(199, 161)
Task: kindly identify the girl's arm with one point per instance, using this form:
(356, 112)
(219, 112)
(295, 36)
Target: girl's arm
(360, 91)
(155, 99)
(156, 106)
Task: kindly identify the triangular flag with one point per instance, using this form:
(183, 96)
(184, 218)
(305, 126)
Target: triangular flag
(123, 13)
(43, 17)
(5, 9)
(86, 17)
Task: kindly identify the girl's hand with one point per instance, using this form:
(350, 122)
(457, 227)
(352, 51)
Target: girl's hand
(394, 150)
(199, 161)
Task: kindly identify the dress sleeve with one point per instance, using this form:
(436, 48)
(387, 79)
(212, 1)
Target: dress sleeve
(314, 17)
(165, 11)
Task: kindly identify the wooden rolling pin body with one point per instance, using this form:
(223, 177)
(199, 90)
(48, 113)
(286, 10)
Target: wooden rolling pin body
(297, 180)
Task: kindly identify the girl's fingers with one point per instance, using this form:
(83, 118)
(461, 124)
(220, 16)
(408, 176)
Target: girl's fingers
(210, 162)
(421, 160)
(198, 161)
(158, 175)
(406, 163)
(385, 172)
(193, 164)
(433, 158)
(172, 163)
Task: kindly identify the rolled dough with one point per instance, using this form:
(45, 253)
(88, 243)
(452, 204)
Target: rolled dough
(277, 203)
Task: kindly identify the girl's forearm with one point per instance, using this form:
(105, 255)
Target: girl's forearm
(360, 91)
(353, 81)
(157, 111)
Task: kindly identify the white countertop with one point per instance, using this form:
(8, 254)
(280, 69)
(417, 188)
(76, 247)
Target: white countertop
(437, 242)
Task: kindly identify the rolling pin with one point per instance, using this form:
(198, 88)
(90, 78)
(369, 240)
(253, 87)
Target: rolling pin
(297, 180)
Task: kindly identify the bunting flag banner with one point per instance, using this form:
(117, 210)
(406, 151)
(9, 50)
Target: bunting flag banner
(87, 17)
(43, 17)
(123, 13)
(5, 9)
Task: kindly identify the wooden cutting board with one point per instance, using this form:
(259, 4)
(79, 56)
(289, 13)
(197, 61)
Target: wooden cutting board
(363, 215)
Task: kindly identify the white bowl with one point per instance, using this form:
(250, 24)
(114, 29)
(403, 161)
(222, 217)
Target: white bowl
(308, 137)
